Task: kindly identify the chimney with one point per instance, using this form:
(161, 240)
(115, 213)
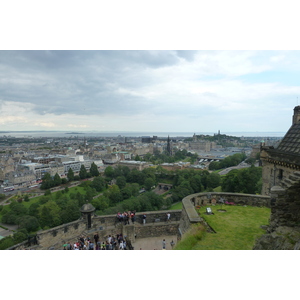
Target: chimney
(296, 116)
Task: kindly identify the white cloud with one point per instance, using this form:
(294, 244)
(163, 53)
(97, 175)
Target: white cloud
(143, 91)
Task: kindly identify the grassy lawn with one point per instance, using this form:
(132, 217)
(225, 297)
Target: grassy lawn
(176, 206)
(237, 228)
(218, 189)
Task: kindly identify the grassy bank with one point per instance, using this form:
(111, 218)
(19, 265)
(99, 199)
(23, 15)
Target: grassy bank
(236, 229)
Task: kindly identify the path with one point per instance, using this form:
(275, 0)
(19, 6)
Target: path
(154, 243)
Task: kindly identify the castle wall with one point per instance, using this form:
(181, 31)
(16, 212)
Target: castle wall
(105, 225)
(273, 175)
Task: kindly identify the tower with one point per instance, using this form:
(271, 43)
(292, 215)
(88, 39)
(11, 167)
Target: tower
(169, 146)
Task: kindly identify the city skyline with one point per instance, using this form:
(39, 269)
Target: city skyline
(148, 91)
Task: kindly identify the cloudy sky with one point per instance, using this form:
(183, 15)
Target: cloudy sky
(152, 91)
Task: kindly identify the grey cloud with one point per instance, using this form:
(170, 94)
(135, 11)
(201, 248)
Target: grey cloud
(188, 55)
(81, 82)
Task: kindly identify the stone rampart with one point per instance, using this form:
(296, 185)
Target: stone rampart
(104, 225)
(156, 230)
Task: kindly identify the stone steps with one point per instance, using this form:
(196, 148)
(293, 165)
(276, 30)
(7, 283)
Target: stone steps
(291, 180)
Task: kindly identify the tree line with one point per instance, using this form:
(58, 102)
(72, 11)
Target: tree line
(229, 161)
(158, 158)
(49, 182)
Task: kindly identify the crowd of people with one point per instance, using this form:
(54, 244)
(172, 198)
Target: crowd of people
(117, 242)
(111, 242)
(126, 217)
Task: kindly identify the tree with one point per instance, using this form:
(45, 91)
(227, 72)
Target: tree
(109, 172)
(82, 172)
(20, 236)
(121, 182)
(94, 170)
(114, 194)
(213, 180)
(33, 209)
(30, 223)
(100, 203)
(47, 182)
(47, 192)
(18, 208)
(9, 218)
(90, 193)
(70, 175)
(49, 214)
(56, 180)
(149, 183)
(195, 183)
(98, 184)
(26, 198)
(70, 212)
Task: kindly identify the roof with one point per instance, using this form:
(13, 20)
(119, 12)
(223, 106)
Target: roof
(291, 141)
(88, 207)
(288, 150)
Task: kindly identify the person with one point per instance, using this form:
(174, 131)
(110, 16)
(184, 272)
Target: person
(96, 238)
(91, 246)
(132, 217)
(121, 246)
(103, 246)
(172, 244)
(168, 217)
(164, 244)
(144, 219)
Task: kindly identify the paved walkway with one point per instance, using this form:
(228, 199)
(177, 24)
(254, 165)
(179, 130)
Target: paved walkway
(154, 243)
(4, 232)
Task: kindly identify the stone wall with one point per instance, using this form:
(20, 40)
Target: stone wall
(239, 199)
(189, 215)
(283, 232)
(104, 225)
(155, 230)
(57, 236)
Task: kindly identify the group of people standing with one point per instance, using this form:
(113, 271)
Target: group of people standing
(117, 242)
(126, 217)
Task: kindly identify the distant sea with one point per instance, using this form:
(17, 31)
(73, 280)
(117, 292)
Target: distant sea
(67, 134)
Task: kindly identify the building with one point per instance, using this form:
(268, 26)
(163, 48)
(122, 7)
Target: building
(281, 162)
(19, 178)
(132, 164)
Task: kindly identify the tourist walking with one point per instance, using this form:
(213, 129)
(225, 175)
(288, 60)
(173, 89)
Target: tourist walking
(164, 244)
(168, 217)
(144, 219)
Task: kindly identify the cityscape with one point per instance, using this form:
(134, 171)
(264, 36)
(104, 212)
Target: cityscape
(146, 157)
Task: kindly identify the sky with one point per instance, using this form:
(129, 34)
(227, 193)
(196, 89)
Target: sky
(156, 90)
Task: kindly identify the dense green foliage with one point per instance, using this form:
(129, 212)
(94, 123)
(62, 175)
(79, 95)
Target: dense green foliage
(248, 181)
(18, 237)
(179, 155)
(229, 161)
